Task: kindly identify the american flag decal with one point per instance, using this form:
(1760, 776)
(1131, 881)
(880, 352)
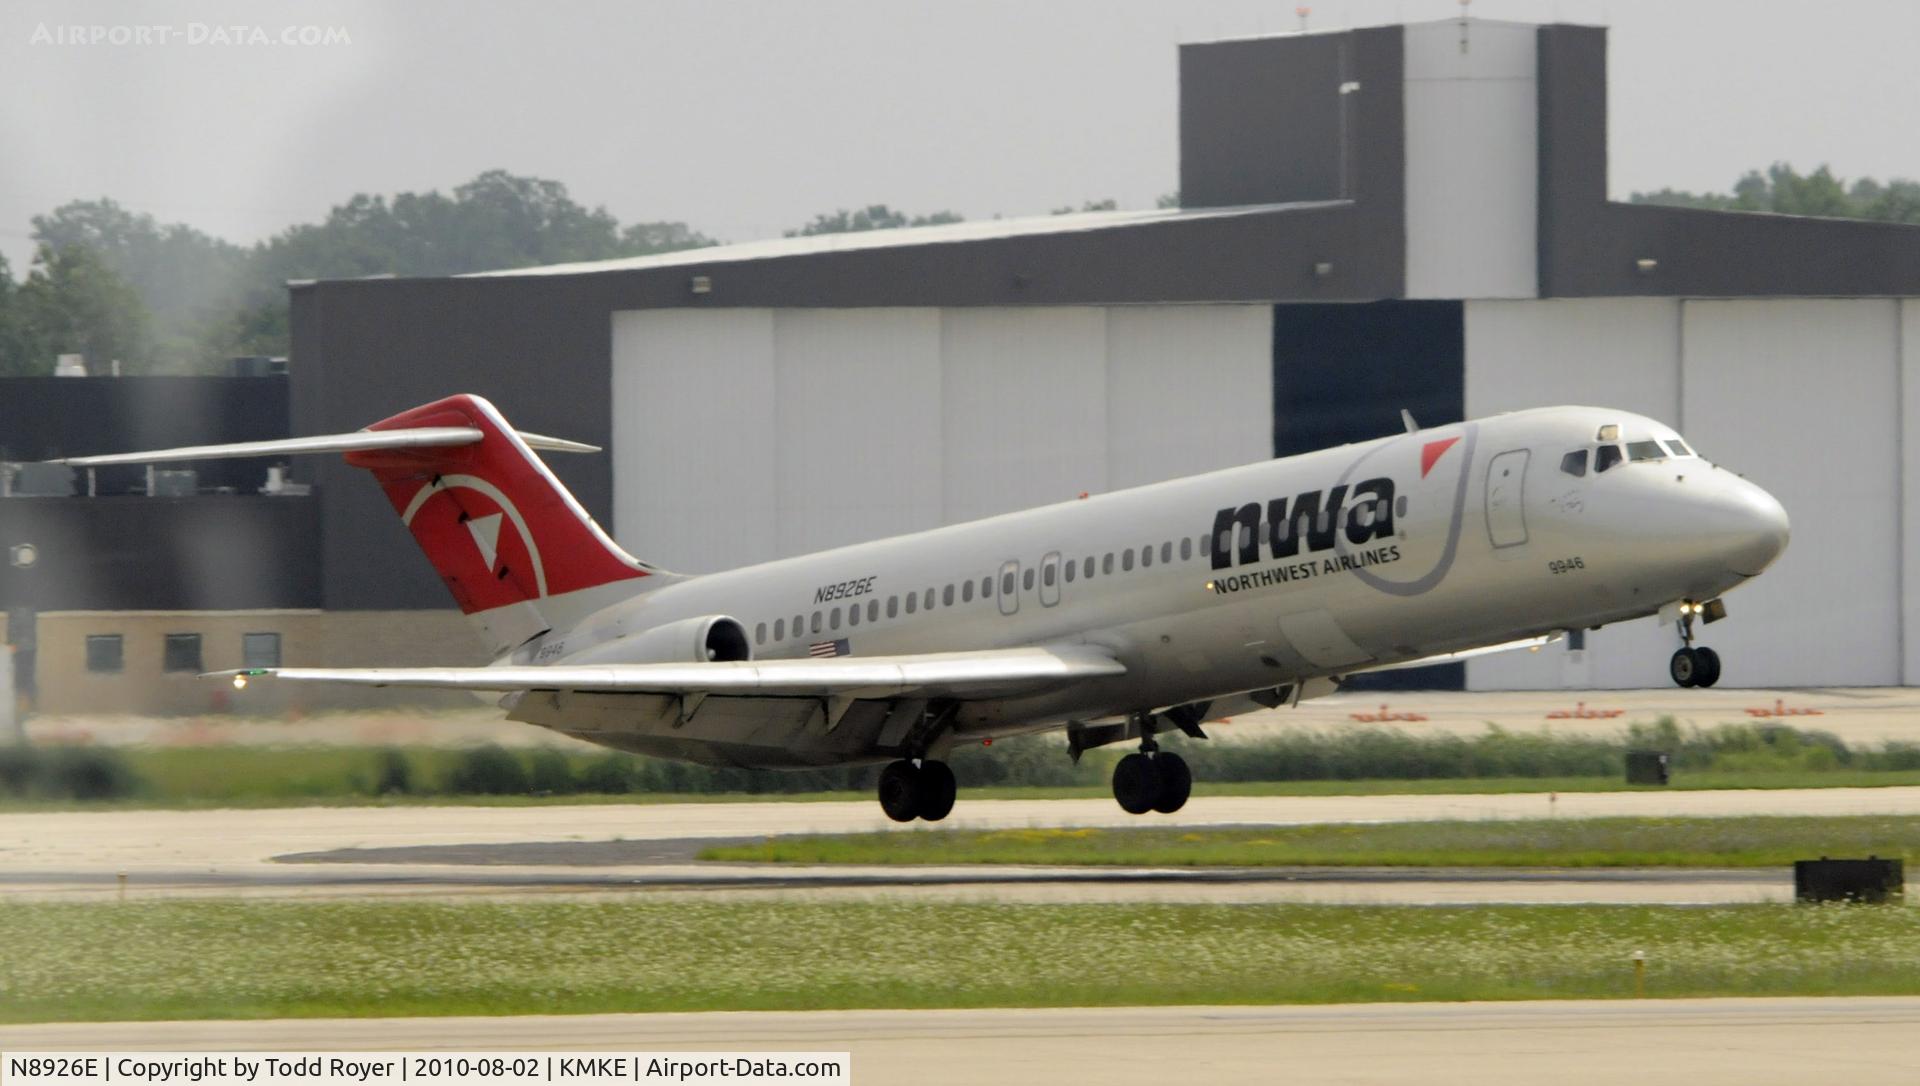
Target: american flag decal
(828, 648)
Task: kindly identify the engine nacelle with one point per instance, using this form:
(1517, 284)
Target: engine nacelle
(707, 639)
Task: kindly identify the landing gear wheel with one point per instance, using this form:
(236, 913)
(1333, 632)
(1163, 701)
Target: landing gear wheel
(937, 789)
(1176, 782)
(1136, 784)
(1706, 667)
(1685, 667)
(900, 791)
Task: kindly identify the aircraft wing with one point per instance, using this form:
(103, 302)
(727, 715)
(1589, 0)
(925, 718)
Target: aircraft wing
(1468, 654)
(988, 673)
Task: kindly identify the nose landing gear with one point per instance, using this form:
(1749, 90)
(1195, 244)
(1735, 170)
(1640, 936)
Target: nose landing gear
(1691, 666)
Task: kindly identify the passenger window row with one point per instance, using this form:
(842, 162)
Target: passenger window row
(1084, 568)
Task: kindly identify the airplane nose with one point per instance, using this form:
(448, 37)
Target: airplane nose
(1754, 526)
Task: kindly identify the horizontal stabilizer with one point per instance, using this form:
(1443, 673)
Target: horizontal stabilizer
(423, 437)
(950, 674)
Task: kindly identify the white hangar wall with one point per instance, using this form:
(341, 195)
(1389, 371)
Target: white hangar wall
(744, 435)
(1818, 400)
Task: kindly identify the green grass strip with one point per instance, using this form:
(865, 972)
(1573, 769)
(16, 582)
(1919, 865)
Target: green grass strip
(1564, 842)
(248, 781)
(198, 959)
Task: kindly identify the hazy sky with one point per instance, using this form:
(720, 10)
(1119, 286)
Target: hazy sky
(746, 118)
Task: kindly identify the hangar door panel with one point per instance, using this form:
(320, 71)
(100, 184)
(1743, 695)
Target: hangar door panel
(1023, 408)
(1802, 396)
(693, 437)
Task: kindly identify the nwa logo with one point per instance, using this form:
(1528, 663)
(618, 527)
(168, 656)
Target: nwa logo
(1314, 520)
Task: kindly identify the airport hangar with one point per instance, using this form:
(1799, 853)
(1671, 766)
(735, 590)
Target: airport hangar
(1403, 216)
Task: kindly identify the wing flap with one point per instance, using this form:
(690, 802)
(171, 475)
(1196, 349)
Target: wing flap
(976, 674)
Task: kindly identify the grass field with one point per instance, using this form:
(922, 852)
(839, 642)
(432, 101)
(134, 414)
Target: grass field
(189, 777)
(1585, 842)
(69, 961)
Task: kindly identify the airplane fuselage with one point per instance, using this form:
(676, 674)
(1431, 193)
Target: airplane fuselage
(1257, 578)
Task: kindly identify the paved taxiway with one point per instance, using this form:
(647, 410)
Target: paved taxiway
(1697, 1041)
(598, 849)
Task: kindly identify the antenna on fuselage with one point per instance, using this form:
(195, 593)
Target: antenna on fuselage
(1406, 417)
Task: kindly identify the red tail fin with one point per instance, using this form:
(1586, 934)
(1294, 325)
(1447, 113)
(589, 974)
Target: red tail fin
(498, 527)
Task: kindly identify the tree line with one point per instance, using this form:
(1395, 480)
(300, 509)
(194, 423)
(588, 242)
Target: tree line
(1783, 191)
(116, 285)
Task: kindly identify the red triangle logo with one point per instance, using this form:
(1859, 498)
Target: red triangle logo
(1432, 451)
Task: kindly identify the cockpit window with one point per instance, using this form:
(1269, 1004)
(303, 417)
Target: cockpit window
(1645, 450)
(1678, 447)
(1605, 457)
(1575, 462)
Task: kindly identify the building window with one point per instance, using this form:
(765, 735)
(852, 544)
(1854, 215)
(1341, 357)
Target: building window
(104, 653)
(260, 650)
(182, 653)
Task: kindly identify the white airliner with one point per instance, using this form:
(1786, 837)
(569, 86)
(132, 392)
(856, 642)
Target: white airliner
(1117, 616)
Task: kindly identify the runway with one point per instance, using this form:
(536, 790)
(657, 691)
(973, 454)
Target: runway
(334, 852)
(1701, 1042)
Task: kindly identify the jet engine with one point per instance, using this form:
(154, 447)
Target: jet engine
(709, 638)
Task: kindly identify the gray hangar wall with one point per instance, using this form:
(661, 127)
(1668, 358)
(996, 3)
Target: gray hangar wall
(1816, 399)
(744, 435)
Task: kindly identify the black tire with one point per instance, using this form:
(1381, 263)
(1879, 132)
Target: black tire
(1176, 782)
(1706, 667)
(1135, 784)
(1684, 667)
(900, 791)
(937, 790)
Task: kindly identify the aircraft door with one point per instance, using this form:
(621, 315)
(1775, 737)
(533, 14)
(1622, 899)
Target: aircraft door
(1506, 494)
(1009, 587)
(1050, 579)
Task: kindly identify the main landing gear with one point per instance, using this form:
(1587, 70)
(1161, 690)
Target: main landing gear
(922, 788)
(1695, 666)
(1152, 780)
